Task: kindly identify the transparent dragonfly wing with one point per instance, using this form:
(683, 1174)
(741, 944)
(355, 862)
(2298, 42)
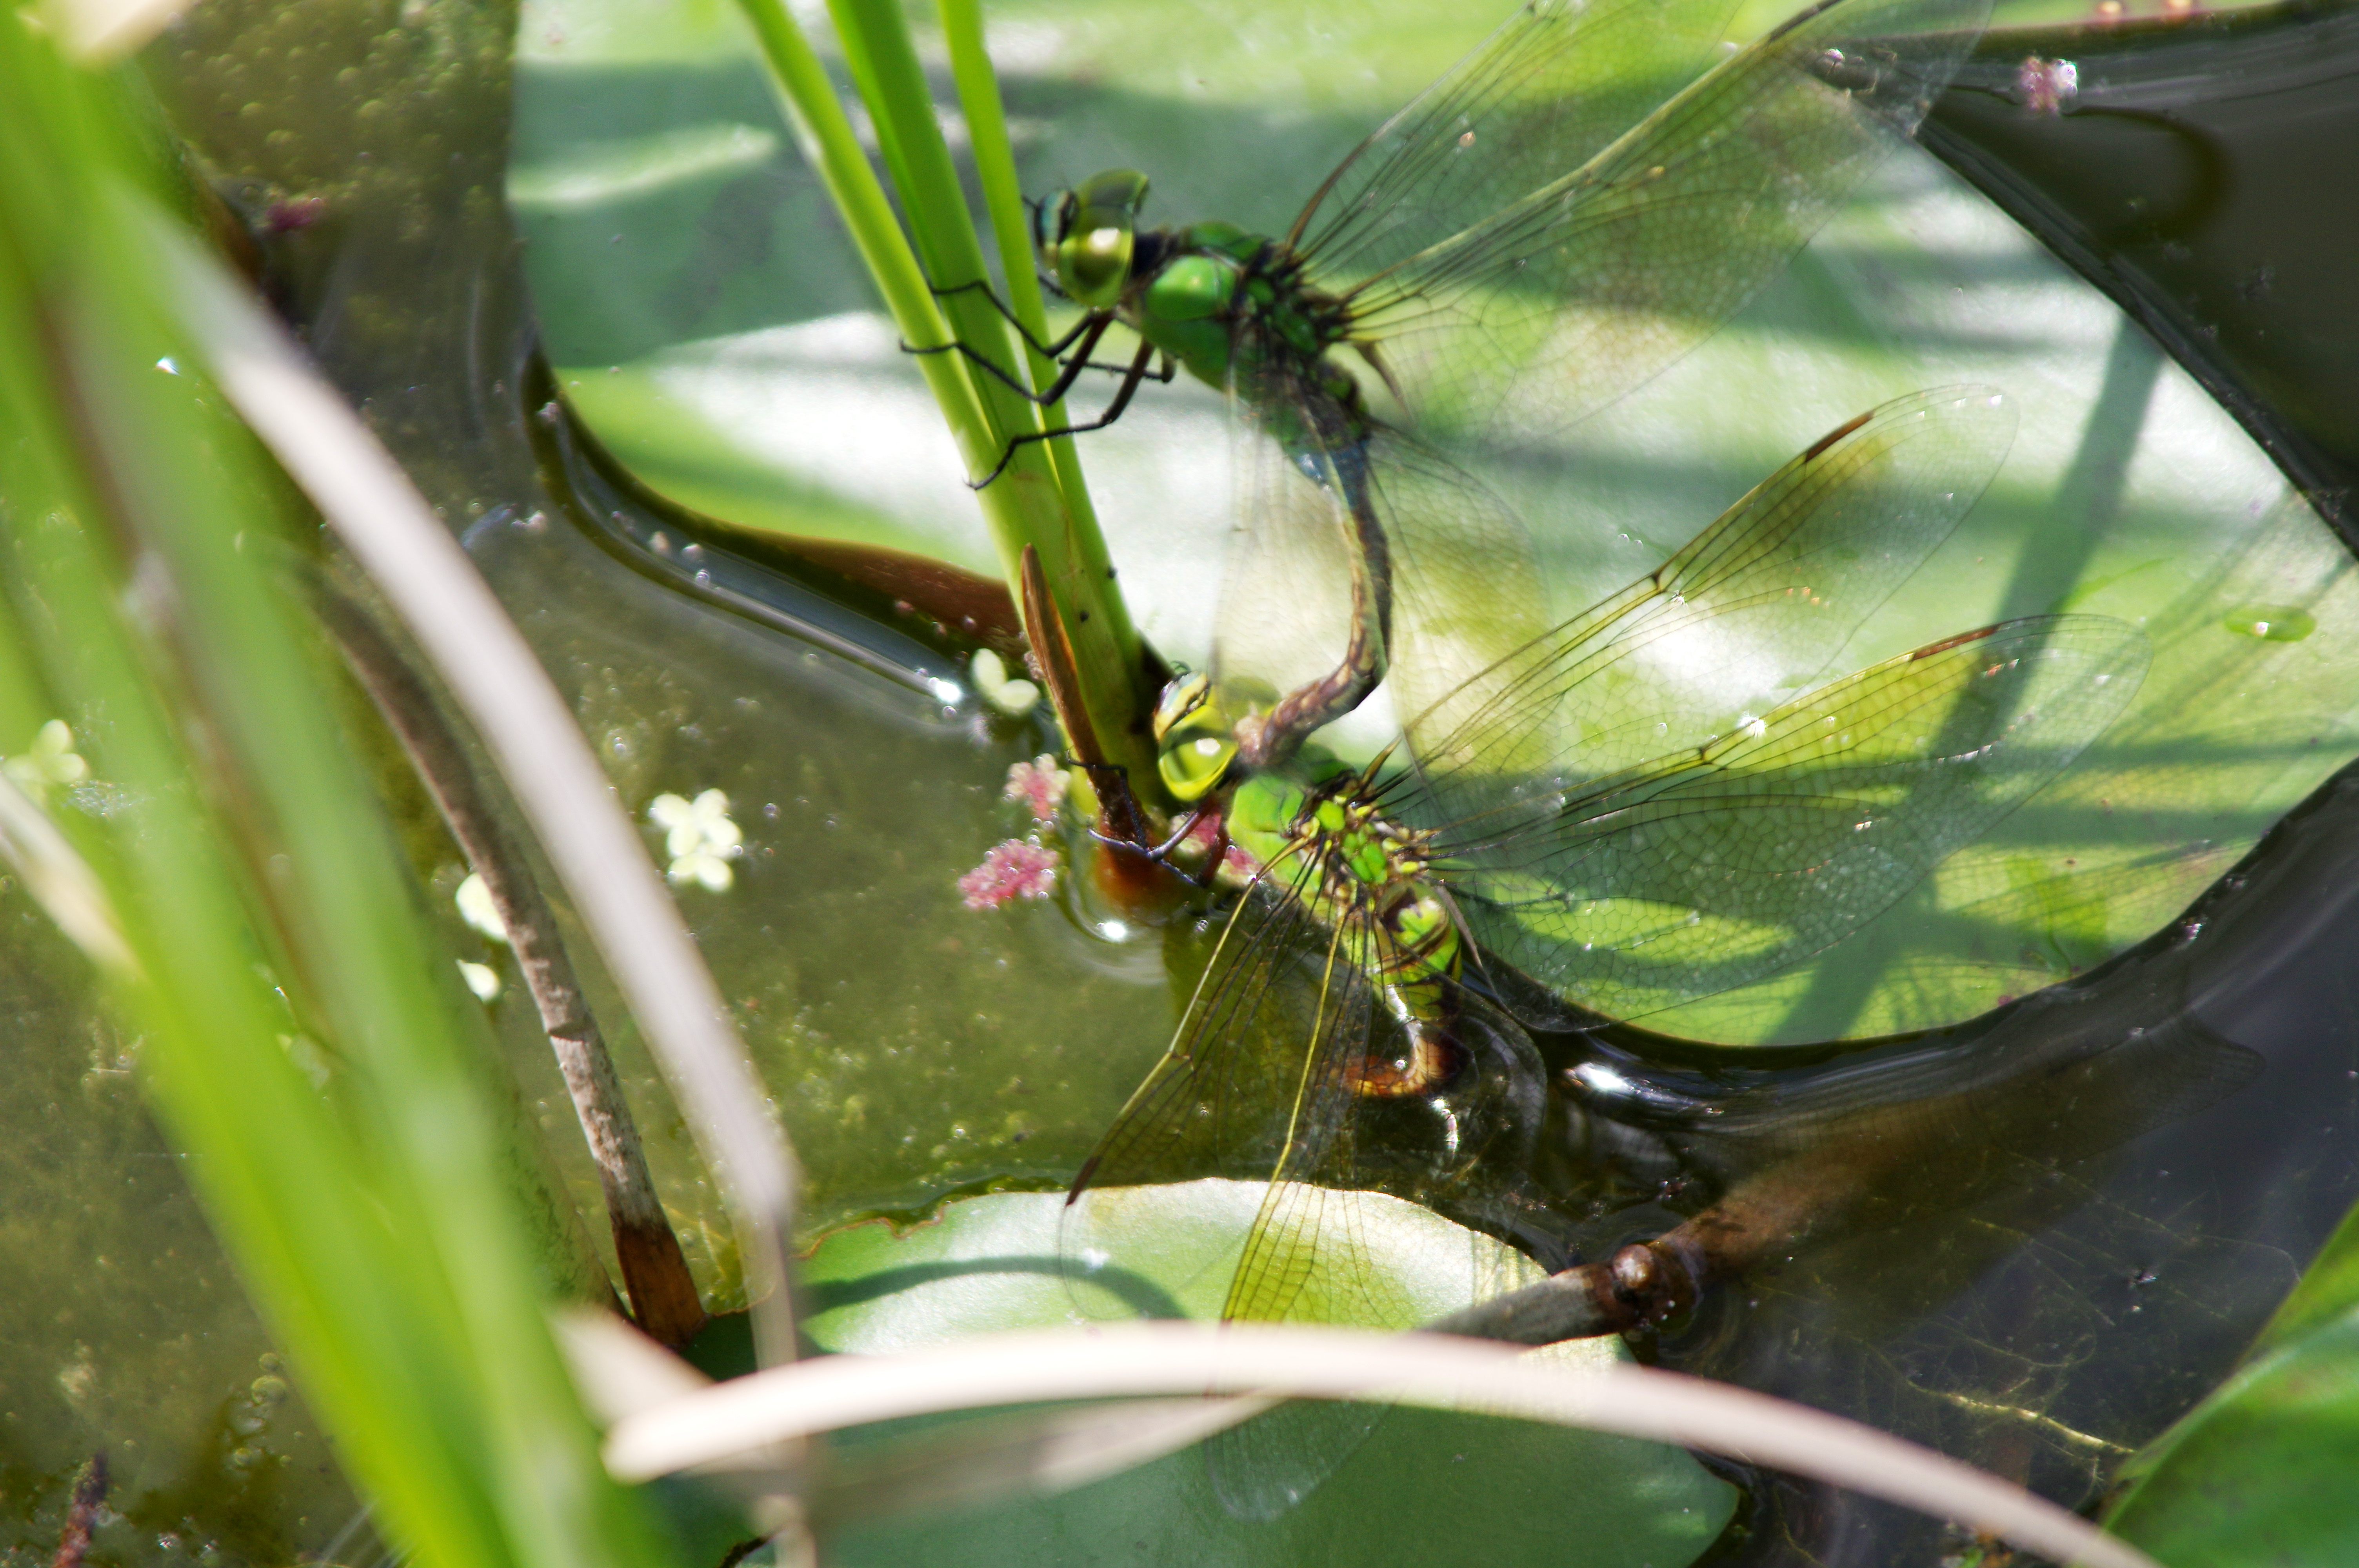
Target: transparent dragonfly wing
(1451, 1148)
(1541, 96)
(1255, 1087)
(2056, 1093)
(1286, 610)
(1259, 1081)
(1307, 1258)
(2064, 1078)
(1467, 594)
(1460, 570)
(1220, 1101)
(1715, 866)
(1588, 285)
(1753, 608)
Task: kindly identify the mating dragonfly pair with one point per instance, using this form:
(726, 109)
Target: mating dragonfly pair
(1598, 818)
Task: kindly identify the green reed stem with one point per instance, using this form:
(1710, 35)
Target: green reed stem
(1040, 500)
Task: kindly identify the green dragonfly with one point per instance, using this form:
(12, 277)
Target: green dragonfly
(1541, 229)
(1598, 825)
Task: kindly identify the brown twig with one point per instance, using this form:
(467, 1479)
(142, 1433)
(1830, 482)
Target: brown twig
(81, 1515)
(655, 1272)
(2050, 1085)
(1797, 1198)
(1640, 1285)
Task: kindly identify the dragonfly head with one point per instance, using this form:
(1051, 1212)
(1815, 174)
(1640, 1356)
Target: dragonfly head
(1194, 744)
(1086, 235)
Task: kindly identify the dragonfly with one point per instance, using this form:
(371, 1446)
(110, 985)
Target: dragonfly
(1576, 838)
(1543, 229)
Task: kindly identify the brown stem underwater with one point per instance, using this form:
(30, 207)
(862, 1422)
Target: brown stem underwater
(655, 1272)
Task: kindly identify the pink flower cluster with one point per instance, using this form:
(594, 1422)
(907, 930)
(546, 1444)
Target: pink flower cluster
(1040, 784)
(1012, 870)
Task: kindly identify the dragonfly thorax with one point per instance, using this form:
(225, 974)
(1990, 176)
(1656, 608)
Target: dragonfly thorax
(1190, 292)
(1370, 869)
(1371, 880)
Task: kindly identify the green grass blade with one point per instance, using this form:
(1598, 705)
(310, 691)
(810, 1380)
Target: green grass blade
(271, 921)
(1003, 196)
(832, 149)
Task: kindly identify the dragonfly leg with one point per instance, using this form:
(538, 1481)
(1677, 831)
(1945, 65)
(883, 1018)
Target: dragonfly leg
(1092, 329)
(1118, 807)
(1161, 854)
(1092, 326)
(1135, 374)
(1053, 350)
(983, 361)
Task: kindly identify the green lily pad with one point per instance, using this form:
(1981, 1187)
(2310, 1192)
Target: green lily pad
(718, 334)
(2259, 1473)
(1424, 1487)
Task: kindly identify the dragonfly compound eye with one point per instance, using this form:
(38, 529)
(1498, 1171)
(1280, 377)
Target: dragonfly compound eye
(1096, 232)
(1093, 262)
(1051, 222)
(1195, 754)
(1193, 735)
(1182, 697)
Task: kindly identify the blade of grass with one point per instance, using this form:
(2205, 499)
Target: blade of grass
(57, 876)
(259, 889)
(1039, 1453)
(893, 86)
(831, 148)
(1003, 200)
(486, 665)
(1147, 1359)
(96, 31)
(622, 1373)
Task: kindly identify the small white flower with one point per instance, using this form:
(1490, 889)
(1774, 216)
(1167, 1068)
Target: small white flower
(1011, 697)
(50, 760)
(706, 868)
(475, 907)
(698, 836)
(481, 978)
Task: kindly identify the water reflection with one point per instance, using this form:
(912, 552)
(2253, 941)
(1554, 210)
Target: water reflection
(2014, 1284)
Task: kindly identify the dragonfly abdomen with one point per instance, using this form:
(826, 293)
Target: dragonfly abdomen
(1371, 880)
(1418, 998)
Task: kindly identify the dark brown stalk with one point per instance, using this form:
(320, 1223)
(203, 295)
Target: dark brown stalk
(1800, 1198)
(654, 1273)
(1647, 1282)
(1052, 655)
(2050, 1087)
